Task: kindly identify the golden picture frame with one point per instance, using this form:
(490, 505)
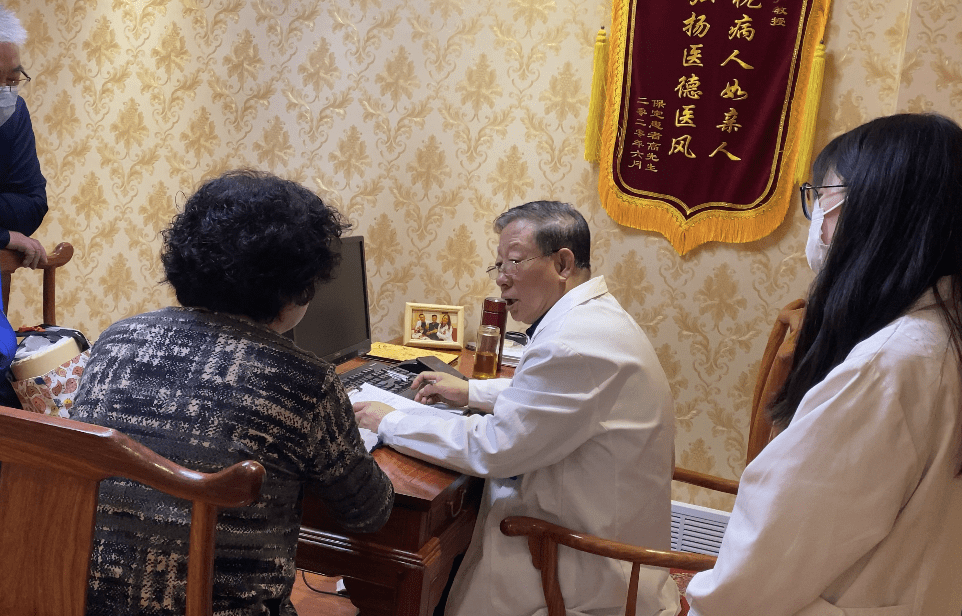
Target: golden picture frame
(434, 326)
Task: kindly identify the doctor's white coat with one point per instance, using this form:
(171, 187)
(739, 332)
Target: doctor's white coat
(583, 436)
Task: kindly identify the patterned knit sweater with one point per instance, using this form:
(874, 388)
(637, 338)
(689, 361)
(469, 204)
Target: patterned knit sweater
(208, 390)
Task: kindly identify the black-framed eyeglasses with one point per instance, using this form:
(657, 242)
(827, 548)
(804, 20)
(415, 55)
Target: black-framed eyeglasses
(808, 200)
(510, 267)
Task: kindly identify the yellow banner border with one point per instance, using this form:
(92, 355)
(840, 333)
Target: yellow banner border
(649, 215)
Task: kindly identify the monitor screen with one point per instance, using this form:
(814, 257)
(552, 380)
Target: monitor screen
(337, 325)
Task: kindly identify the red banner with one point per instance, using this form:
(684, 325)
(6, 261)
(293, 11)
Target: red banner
(704, 109)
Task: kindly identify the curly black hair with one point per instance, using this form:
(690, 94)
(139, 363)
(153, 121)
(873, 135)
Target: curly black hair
(249, 243)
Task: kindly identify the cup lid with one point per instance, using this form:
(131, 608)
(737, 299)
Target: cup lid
(495, 304)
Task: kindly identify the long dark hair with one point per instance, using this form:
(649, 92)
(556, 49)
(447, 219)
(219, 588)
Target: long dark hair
(899, 232)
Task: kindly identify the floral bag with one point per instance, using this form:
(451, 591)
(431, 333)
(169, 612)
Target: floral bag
(45, 372)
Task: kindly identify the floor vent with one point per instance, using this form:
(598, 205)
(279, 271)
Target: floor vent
(697, 529)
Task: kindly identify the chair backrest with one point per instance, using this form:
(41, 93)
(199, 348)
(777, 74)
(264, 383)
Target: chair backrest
(49, 482)
(11, 261)
(773, 370)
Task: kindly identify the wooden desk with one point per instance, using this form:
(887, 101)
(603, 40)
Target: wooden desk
(401, 569)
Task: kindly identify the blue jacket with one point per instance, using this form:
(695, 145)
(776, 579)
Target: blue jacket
(23, 189)
(8, 341)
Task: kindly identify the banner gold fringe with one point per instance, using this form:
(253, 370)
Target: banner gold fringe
(649, 215)
(596, 106)
(811, 115)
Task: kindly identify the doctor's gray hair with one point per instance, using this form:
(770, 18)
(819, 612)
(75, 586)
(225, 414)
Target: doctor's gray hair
(559, 225)
(11, 30)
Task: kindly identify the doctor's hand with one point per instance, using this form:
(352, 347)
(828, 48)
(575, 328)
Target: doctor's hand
(434, 387)
(33, 252)
(370, 414)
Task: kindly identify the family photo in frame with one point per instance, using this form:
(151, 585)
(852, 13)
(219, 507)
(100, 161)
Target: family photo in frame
(434, 325)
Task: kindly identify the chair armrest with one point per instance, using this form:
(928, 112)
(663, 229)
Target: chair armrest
(515, 526)
(60, 255)
(11, 261)
(729, 486)
(92, 452)
(545, 537)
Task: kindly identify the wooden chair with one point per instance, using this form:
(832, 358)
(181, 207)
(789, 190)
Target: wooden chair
(545, 537)
(11, 261)
(772, 372)
(49, 479)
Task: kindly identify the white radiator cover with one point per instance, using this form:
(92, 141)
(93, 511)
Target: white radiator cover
(697, 529)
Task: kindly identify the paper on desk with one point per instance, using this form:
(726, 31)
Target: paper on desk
(397, 352)
(370, 393)
(371, 439)
(511, 353)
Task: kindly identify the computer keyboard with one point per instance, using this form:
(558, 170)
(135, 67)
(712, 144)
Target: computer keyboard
(390, 378)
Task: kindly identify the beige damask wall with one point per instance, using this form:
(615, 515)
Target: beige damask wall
(421, 120)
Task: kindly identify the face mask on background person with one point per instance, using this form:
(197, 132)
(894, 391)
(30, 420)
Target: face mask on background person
(815, 249)
(8, 102)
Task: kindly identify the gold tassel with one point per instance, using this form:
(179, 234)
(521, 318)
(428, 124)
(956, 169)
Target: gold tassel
(812, 97)
(596, 107)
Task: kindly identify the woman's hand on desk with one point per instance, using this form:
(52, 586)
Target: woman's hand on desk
(370, 414)
(434, 387)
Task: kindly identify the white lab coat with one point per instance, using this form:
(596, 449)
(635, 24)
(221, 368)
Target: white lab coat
(582, 436)
(856, 508)
(444, 332)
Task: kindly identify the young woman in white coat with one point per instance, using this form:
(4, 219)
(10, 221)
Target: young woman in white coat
(855, 508)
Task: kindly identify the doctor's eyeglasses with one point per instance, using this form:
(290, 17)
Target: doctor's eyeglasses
(510, 266)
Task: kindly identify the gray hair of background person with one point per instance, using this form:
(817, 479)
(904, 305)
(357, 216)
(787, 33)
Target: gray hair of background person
(559, 225)
(11, 30)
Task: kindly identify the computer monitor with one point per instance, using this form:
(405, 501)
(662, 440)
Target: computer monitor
(337, 325)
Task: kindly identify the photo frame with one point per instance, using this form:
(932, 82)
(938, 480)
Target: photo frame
(434, 326)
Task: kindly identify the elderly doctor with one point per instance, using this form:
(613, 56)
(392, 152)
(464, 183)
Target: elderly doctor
(582, 435)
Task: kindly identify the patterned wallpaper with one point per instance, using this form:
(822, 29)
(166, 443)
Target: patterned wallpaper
(421, 120)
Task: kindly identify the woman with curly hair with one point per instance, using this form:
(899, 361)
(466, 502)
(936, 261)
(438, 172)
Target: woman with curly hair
(213, 382)
(856, 506)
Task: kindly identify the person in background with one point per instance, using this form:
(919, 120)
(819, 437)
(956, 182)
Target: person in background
(420, 326)
(23, 192)
(854, 508)
(582, 435)
(214, 382)
(431, 331)
(445, 330)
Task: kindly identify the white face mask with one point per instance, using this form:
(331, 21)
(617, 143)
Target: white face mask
(815, 249)
(8, 102)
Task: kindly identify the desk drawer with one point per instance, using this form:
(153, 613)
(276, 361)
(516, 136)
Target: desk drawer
(462, 498)
(413, 522)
